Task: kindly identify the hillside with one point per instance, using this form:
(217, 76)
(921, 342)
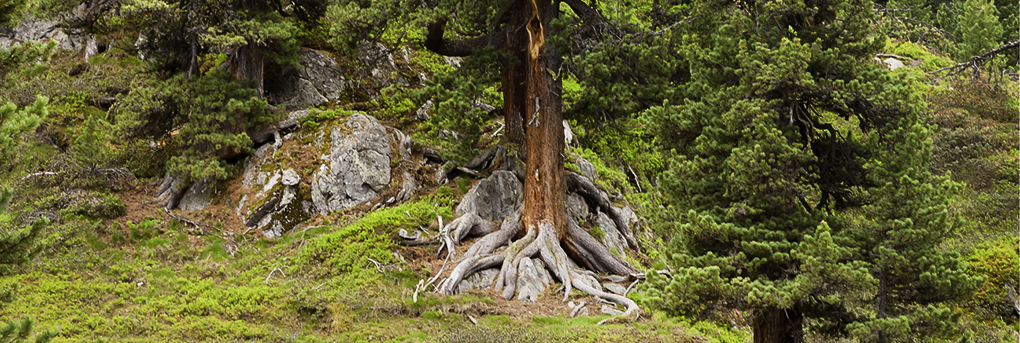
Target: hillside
(308, 172)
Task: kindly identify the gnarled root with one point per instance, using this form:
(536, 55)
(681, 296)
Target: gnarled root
(541, 240)
(632, 306)
(469, 224)
(473, 260)
(583, 186)
(592, 254)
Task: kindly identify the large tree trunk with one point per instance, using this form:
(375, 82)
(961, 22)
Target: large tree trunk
(534, 122)
(777, 325)
(544, 188)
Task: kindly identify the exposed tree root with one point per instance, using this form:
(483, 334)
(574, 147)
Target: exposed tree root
(592, 254)
(542, 241)
(473, 260)
(616, 298)
(584, 187)
(470, 224)
(539, 240)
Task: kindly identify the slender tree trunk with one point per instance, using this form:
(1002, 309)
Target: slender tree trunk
(777, 325)
(248, 64)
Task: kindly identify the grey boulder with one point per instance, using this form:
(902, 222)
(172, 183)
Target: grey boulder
(493, 198)
(357, 167)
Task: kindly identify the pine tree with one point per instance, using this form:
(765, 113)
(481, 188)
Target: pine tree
(208, 115)
(905, 221)
(784, 121)
(977, 29)
(11, 12)
(18, 246)
(179, 35)
(18, 332)
(526, 41)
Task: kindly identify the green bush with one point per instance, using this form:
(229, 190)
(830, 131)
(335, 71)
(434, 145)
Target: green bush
(999, 263)
(205, 117)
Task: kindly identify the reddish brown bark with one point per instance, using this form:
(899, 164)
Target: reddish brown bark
(539, 109)
(777, 325)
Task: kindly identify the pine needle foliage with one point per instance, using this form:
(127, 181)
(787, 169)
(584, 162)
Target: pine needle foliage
(204, 118)
(978, 28)
(19, 332)
(787, 127)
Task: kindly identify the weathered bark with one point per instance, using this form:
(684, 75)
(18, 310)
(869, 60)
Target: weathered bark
(544, 187)
(533, 116)
(777, 325)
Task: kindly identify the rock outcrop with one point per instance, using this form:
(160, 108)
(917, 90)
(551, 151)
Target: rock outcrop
(40, 31)
(493, 198)
(197, 196)
(319, 80)
(278, 201)
(356, 168)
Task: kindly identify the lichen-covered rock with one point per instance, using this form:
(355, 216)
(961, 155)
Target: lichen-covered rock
(585, 167)
(613, 239)
(615, 288)
(197, 196)
(291, 177)
(493, 198)
(317, 81)
(356, 168)
(577, 209)
(42, 31)
(379, 61)
(278, 200)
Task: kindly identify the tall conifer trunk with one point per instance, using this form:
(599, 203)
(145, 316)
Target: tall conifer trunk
(533, 113)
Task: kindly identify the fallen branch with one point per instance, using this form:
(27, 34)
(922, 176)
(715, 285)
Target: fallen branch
(187, 221)
(42, 173)
(417, 287)
(271, 274)
(378, 266)
(975, 62)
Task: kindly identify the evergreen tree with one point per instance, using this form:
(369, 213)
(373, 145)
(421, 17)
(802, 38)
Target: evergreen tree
(180, 36)
(11, 12)
(785, 120)
(977, 29)
(18, 246)
(905, 220)
(18, 332)
(204, 118)
(527, 40)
